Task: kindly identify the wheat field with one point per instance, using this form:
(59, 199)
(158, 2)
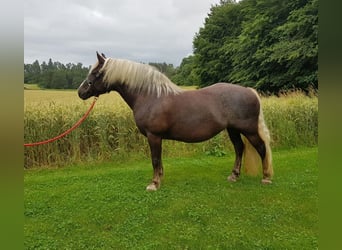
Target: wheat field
(110, 131)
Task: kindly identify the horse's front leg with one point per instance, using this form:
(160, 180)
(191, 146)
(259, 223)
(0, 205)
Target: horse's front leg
(155, 143)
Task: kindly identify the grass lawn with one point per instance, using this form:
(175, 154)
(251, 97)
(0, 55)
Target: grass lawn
(105, 206)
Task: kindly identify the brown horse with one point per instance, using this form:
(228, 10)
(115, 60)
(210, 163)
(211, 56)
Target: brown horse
(164, 111)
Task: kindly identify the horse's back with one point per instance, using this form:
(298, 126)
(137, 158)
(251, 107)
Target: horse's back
(235, 98)
(229, 90)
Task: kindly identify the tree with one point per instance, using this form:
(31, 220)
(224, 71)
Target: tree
(295, 49)
(267, 44)
(164, 68)
(55, 74)
(32, 72)
(222, 25)
(186, 73)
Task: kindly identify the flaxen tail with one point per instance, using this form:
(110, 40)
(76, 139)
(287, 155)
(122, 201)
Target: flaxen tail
(251, 158)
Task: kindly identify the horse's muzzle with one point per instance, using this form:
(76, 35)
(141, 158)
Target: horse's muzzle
(84, 91)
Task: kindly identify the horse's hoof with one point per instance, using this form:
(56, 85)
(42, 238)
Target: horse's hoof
(151, 187)
(266, 181)
(231, 178)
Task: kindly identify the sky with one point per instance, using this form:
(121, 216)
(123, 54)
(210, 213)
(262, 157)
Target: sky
(71, 31)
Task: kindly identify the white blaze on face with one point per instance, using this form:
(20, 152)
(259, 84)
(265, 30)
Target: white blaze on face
(81, 85)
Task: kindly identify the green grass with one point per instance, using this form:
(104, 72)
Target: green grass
(31, 86)
(105, 206)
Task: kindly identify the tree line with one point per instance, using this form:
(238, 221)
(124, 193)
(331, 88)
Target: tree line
(56, 75)
(271, 45)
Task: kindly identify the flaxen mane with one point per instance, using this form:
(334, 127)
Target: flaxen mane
(140, 78)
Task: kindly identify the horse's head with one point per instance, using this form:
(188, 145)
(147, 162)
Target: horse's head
(93, 85)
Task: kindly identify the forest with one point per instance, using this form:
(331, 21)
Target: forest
(271, 45)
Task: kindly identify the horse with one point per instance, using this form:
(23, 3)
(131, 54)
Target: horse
(162, 110)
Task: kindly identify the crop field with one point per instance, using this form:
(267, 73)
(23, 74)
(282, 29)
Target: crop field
(110, 131)
(105, 206)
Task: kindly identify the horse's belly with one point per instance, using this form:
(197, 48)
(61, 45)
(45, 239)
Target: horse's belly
(197, 133)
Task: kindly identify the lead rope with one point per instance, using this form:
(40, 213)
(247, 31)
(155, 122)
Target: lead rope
(66, 132)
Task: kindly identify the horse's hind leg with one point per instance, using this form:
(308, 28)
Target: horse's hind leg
(260, 147)
(155, 143)
(235, 137)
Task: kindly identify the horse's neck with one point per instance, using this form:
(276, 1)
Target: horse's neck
(129, 97)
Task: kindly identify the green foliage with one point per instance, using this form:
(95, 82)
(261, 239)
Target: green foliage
(55, 75)
(105, 206)
(164, 68)
(296, 48)
(186, 74)
(216, 147)
(269, 45)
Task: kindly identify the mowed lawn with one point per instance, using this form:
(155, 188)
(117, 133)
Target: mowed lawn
(105, 206)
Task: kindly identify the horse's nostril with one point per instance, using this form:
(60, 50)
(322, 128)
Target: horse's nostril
(82, 95)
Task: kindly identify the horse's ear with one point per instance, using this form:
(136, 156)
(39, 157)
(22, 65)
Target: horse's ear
(100, 58)
(103, 55)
